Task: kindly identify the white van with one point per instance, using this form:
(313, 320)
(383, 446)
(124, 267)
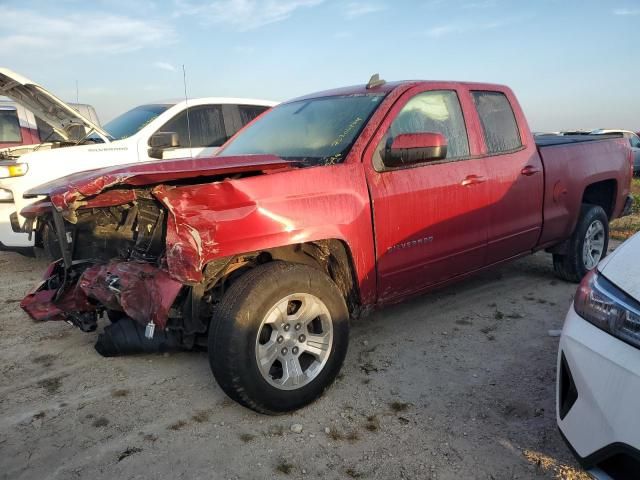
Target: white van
(163, 130)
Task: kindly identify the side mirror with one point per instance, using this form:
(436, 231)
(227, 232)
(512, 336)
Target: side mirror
(160, 141)
(164, 140)
(410, 148)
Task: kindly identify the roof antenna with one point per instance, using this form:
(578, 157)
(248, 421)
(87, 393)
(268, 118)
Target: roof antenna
(375, 81)
(186, 102)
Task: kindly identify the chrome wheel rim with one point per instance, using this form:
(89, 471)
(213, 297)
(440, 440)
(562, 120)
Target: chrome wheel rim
(294, 341)
(593, 247)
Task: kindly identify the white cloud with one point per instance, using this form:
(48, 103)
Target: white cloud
(74, 33)
(458, 28)
(358, 9)
(626, 11)
(164, 66)
(242, 15)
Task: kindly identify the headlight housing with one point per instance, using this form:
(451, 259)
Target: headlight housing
(6, 195)
(607, 307)
(16, 170)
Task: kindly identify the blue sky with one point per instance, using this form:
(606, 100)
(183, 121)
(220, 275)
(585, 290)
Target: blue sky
(573, 64)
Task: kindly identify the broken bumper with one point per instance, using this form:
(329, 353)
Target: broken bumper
(141, 290)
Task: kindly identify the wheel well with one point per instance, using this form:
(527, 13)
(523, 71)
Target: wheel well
(602, 194)
(331, 256)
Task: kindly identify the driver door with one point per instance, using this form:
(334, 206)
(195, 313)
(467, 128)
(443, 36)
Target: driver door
(430, 220)
(201, 132)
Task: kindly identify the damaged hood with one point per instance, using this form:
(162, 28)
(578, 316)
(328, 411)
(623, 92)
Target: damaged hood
(64, 192)
(61, 116)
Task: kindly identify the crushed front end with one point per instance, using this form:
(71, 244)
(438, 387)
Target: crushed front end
(113, 262)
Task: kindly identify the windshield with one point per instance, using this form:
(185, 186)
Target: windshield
(132, 121)
(315, 131)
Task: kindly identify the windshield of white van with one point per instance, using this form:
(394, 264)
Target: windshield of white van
(132, 121)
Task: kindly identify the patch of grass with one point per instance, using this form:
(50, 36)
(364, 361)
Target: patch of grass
(246, 437)
(119, 393)
(399, 406)
(373, 424)
(128, 452)
(337, 435)
(515, 315)
(100, 422)
(284, 467)
(464, 321)
(51, 384)
(39, 416)
(177, 425)
(623, 228)
(201, 416)
(498, 315)
(276, 430)
(488, 329)
(353, 473)
(149, 437)
(44, 360)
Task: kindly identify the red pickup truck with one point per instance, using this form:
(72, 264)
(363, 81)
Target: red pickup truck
(321, 208)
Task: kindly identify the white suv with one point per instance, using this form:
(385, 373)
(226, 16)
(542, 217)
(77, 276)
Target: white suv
(598, 382)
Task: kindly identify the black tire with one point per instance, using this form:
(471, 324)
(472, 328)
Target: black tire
(50, 244)
(571, 266)
(115, 315)
(234, 330)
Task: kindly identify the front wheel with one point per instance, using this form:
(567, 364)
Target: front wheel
(279, 337)
(587, 246)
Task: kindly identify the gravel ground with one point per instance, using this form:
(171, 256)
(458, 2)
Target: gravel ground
(453, 385)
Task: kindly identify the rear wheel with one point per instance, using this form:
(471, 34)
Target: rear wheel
(587, 246)
(279, 337)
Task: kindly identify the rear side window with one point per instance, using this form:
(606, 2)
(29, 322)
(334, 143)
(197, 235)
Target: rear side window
(501, 132)
(9, 126)
(249, 112)
(205, 127)
(634, 141)
(435, 111)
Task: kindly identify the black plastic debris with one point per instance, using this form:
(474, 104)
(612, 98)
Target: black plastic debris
(126, 337)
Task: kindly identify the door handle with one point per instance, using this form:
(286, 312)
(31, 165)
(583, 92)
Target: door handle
(472, 180)
(529, 170)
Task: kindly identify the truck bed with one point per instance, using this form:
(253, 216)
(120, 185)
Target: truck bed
(552, 140)
(571, 164)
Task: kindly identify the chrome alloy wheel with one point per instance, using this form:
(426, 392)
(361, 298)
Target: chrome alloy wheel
(593, 248)
(294, 341)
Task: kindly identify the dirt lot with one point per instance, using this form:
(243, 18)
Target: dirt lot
(457, 384)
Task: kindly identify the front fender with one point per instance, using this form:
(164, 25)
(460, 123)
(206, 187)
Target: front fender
(222, 219)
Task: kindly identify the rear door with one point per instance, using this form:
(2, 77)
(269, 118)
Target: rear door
(430, 220)
(237, 116)
(516, 179)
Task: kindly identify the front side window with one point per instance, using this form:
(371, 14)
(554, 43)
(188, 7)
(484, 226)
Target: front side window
(317, 131)
(9, 126)
(198, 127)
(501, 132)
(634, 140)
(131, 122)
(436, 111)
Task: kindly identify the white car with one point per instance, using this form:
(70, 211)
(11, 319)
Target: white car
(163, 130)
(598, 382)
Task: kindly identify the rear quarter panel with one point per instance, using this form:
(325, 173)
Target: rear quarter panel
(569, 169)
